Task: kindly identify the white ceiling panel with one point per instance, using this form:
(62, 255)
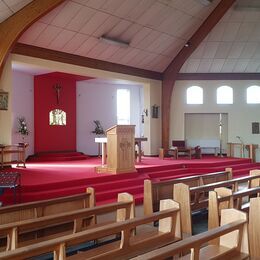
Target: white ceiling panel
(61, 40)
(216, 65)
(80, 18)
(204, 65)
(86, 47)
(241, 65)
(47, 36)
(210, 50)
(234, 40)
(228, 65)
(252, 66)
(94, 23)
(75, 43)
(33, 32)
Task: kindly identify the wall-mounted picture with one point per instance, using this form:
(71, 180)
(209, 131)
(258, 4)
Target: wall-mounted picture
(255, 128)
(3, 100)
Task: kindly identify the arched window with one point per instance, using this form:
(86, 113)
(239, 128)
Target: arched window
(253, 95)
(225, 95)
(195, 95)
(57, 117)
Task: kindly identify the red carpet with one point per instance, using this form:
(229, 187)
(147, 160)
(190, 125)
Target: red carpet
(52, 179)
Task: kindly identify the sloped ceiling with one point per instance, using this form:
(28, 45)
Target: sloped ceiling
(9, 7)
(233, 45)
(155, 29)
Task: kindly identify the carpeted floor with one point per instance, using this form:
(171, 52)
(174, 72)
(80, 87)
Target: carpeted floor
(49, 179)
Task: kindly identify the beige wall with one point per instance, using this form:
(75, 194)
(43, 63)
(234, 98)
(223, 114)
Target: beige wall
(240, 114)
(6, 116)
(152, 127)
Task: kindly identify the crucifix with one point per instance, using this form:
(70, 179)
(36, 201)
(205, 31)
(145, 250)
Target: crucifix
(57, 88)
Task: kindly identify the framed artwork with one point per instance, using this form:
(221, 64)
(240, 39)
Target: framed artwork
(255, 128)
(3, 100)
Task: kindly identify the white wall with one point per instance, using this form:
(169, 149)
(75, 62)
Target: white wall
(97, 101)
(240, 114)
(23, 105)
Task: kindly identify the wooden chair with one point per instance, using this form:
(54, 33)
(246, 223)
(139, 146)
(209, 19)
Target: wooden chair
(32, 231)
(129, 245)
(232, 245)
(180, 146)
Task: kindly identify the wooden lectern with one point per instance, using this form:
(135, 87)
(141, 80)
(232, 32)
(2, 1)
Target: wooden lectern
(120, 149)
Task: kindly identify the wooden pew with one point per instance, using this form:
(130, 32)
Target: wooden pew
(222, 198)
(156, 191)
(254, 228)
(42, 208)
(129, 245)
(75, 221)
(232, 245)
(196, 198)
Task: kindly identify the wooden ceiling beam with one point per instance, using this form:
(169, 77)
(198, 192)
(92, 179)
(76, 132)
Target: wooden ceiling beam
(171, 73)
(63, 57)
(13, 27)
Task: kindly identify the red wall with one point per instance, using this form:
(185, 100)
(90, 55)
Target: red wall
(54, 138)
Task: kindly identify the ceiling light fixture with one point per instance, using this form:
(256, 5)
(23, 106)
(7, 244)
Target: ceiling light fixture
(205, 2)
(114, 41)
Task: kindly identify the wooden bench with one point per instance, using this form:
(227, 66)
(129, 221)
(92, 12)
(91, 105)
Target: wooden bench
(232, 245)
(197, 198)
(156, 191)
(254, 228)
(42, 208)
(129, 245)
(222, 198)
(75, 221)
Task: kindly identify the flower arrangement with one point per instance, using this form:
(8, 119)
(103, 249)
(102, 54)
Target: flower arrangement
(98, 128)
(22, 127)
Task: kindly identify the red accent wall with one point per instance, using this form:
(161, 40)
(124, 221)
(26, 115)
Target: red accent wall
(54, 138)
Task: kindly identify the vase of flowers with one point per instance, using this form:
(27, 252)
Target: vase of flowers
(22, 127)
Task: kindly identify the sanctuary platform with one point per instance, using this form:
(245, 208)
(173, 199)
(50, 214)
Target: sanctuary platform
(61, 176)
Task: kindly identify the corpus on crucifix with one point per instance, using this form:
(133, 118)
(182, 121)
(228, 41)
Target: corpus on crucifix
(57, 88)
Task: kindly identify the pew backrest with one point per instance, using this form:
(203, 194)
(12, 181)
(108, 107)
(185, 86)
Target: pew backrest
(225, 198)
(156, 191)
(254, 228)
(129, 245)
(231, 244)
(42, 208)
(73, 222)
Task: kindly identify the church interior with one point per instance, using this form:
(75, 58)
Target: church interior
(129, 129)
